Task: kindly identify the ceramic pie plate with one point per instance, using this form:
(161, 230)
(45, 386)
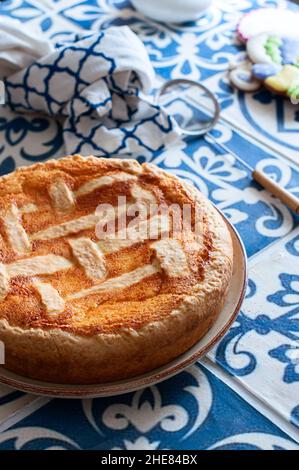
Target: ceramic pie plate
(225, 319)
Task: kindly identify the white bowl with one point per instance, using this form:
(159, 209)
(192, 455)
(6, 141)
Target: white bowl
(172, 11)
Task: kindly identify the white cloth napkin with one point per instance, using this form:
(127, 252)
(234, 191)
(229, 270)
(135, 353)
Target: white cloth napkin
(20, 46)
(98, 83)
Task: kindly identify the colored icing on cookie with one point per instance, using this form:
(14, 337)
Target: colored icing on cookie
(257, 51)
(272, 47)
(270, 54)
(285, 80)
(268, 48)
(263, 71)
(290, 50)
(293, 91)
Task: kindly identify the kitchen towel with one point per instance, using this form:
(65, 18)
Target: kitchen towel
(98, 83)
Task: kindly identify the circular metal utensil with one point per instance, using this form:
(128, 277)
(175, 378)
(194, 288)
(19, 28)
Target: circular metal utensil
(176, 88)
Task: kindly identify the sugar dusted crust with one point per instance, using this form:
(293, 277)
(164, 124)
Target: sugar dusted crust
(139, 306)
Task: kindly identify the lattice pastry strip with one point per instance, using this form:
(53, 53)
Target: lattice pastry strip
(172, 257)
(16, 233)
(62, 197)
(108, 180)
(50, 297)
(153, 228)
(120, 282)
(90, 257)
(75, 226)
(48, 264)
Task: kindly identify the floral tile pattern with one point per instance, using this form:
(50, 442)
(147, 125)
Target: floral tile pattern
(262, 347)
(9, 401)
(202, 51)
(194, 409)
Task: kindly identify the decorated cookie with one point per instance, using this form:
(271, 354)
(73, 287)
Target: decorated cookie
(273, 49)
(272, 46)
(265, 48)
(262, 71)
(278, 20)
(285, 82)
(275, 61)
(242, 78)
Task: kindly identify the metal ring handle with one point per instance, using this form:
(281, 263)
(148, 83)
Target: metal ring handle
(210, 124)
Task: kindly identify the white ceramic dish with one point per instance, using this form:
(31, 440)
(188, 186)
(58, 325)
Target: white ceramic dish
(172, 11)
(225, 319)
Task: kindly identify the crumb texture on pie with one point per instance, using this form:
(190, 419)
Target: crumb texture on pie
(79, 306)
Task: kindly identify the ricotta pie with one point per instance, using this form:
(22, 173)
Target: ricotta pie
(108, 269)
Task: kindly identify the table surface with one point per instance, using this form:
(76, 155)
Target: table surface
(245, 393)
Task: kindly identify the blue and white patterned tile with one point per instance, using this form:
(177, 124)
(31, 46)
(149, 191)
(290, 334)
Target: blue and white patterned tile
(55, 28)
(261, 349)
(11, 402)
(22, 10)
(259, 218)
(96, 14)
(203, 48)
(193, 410)
(212, 164)
(250, 112)
(194, 50)
(41, 14)
(27, 138)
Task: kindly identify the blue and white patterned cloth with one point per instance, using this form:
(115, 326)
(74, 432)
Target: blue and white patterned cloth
(245, 394)
(97, 83)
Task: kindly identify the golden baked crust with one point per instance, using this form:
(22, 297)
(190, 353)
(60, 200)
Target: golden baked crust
(76, 309)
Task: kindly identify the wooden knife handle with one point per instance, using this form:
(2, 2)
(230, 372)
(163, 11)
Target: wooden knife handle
(289, 199)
